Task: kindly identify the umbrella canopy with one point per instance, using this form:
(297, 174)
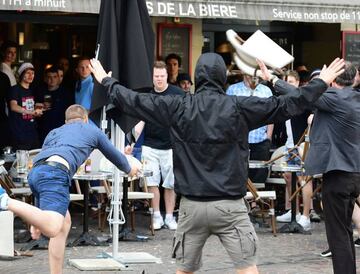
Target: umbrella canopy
(127, 46)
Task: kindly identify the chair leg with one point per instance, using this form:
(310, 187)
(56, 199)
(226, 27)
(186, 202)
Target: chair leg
(273, 218)
(151, 210)
(132, 216)
(103, 219)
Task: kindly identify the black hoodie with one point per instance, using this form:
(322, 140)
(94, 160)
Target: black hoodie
(209, 130)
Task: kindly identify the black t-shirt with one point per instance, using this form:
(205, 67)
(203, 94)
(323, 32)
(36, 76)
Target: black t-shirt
(156, 136)
(23, 126)
(55, 116)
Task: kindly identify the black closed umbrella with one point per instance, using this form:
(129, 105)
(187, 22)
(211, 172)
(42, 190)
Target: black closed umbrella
(127, 46)
(126, 42)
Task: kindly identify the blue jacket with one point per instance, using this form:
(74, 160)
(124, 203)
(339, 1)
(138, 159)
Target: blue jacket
(75, 141)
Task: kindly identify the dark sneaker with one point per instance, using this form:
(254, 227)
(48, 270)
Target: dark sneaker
(314, 217)
(357, 242)
(3, 199)
(326, 253)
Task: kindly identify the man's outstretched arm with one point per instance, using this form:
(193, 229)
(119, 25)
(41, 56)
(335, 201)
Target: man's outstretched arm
(260, 111)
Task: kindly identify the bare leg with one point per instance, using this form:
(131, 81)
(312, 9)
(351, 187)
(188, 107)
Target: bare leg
(307, 193)
(287, 177)
(35, 232)
(57, 247)
(356, 217)
(48, 222)
(249, 270)
(170, 197)
(155, 202)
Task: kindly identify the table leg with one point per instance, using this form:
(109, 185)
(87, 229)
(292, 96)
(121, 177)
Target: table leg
(293, 226)
(86, 238)
(125, 233)
(273, 218)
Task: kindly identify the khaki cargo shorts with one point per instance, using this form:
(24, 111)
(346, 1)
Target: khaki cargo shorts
(227, 219)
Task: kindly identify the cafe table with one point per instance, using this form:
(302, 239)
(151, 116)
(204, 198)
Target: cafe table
(293, 226)
(85, 238)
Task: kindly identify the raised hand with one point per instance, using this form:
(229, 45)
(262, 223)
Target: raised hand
(98, 71)
(134, 171)
(328, 74)
(265, 73)
(128, 150)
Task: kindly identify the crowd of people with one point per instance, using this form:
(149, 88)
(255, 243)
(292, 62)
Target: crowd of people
(196, 142)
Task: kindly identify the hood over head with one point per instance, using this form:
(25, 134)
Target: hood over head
(210, 73)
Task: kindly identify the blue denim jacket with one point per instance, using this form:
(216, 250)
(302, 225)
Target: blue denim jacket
(75, 141)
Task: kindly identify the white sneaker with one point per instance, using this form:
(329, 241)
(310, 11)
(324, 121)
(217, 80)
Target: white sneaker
(305, 222)
(286, 217)
(158, 223)
(171, 223)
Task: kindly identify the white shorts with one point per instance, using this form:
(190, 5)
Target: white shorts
(160, 162)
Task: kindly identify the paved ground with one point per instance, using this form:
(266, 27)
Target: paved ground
(286, 253)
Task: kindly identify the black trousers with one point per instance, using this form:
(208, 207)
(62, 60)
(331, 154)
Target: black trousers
(259, 151)
(339, 191)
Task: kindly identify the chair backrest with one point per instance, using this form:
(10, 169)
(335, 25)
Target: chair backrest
(5, 180)
(96, 157)
(34, 152)
(277, 153)
(257, 46)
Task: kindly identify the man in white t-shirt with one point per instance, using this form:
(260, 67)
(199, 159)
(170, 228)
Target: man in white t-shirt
(8, 57)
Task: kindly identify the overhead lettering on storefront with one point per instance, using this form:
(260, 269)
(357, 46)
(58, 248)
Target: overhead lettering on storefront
(192, 9)
(322, 11)
(308, 16)
(314, 11)
(20, 4)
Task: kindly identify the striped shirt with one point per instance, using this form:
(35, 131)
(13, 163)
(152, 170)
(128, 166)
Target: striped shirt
(240, 89)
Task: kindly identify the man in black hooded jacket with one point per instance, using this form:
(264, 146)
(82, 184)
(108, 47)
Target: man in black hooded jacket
(209, 132)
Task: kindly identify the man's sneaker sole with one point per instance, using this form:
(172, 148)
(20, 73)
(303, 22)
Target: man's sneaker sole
(157, 226)
(314, 217)
(166, 226)
(326, 254)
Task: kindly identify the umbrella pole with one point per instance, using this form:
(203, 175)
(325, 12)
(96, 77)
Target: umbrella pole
(103, 119)
(119, 144)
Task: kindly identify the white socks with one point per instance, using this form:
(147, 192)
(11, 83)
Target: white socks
(157, 214)
(169, 217)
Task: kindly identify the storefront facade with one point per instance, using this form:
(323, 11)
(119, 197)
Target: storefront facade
(307, 29)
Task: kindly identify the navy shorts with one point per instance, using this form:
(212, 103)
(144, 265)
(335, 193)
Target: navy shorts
(50, 187)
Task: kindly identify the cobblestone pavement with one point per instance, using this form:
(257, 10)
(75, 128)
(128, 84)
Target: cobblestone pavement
(285, 253)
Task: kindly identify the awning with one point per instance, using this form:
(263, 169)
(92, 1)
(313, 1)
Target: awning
(76, 6)
(324, 11)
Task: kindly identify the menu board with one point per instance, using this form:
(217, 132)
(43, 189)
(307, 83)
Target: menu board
(351, 46)
(175, 38)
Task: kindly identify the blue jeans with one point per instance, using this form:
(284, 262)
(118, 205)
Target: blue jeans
(50, 187)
